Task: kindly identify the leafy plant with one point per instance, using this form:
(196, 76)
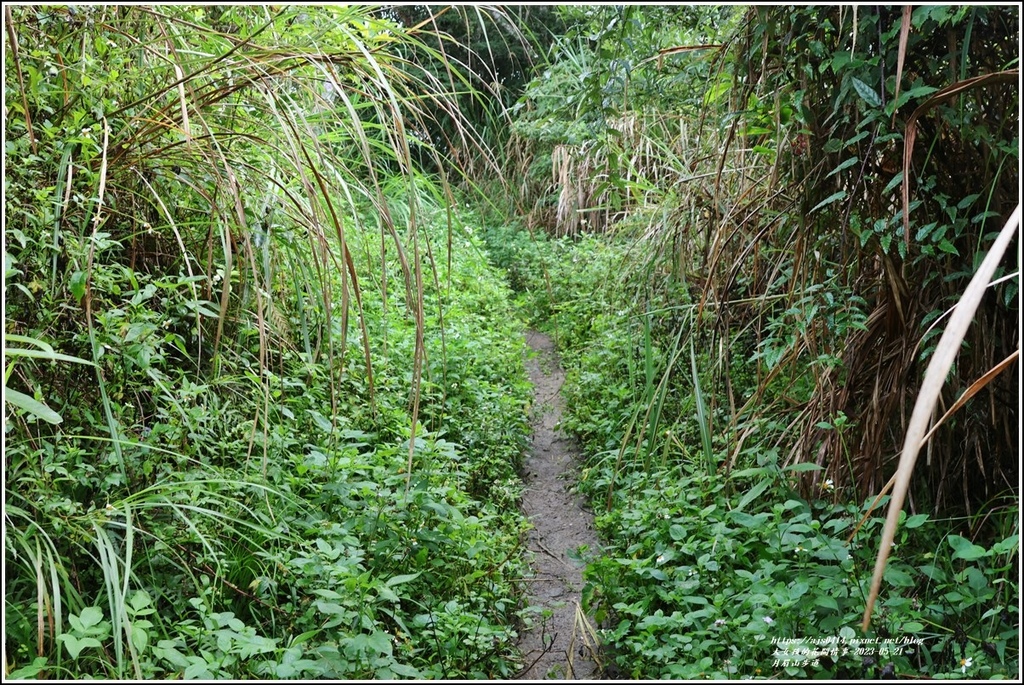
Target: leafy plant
(305, 401)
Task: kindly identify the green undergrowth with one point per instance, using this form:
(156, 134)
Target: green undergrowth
(714, 564)
(261, 522)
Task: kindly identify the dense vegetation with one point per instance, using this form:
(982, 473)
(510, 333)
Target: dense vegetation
(266, 271)
(748, 316)
(236, 451)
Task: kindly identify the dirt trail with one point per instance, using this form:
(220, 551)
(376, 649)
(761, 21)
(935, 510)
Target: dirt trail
(561, 645)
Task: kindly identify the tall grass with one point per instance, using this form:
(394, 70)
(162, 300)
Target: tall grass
(205, 170)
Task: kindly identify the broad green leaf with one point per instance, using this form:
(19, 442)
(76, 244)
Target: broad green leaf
(198, 671)
(846, 164)
(893, 182)
(75, 645)
(753, 494)
(916, 521)
(31, 406)
(833, 145)
(380, 642)
(908, 95)
(329, 608)
(1010, 544)
(976, 579)
(306, 636)
(967, 201)
(802, 467)
(746, 520)
(398, 580)
(656, 573)
(29, 672)
(165, 649)
(866, 92)
(140, 636)
(827, 602)
(925, 230)
(140, 600)
(834, 197)
(754, 471)
(320, 420)
(898, 578)
(405, 671)
(388, 595)
(965, 549)
(677, 532)
(840, 59)
(857, 138)
(77, 285)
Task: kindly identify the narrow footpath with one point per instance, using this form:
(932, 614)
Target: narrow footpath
(562, 643)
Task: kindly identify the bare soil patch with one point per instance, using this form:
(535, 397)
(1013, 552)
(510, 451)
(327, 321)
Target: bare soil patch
(562, 643)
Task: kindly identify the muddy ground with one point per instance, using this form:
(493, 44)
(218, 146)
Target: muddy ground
(562, 643)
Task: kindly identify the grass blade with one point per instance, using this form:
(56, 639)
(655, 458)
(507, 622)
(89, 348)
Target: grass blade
(702, 414)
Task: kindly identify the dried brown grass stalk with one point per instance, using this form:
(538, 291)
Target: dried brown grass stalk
(902, 53)
(12, 39)
(934, 378)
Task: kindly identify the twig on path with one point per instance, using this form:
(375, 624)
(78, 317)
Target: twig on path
(540, 656)
(551, 554)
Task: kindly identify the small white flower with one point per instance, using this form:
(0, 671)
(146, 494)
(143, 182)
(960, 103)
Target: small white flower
(965, 664)
(769, 620)
(661, 558)
(828, 485)
(719, 622)
(800, 548)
